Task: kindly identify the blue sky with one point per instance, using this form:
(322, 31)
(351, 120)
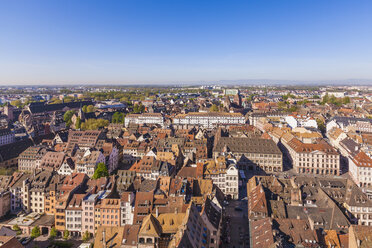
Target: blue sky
(159, 41)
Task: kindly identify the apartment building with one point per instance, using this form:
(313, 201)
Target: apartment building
(207, 120)
(15, 187)
(211, 215)
(52, 160)
(84, 139)
(34, 190)
(6, 136)
(258, 154)
(88, 214)
(50, 198)
(301, 121)
(5, 205)
(70, 185)
(145, 118)
(88, 163)
(30, 159)
(193, 232)
(73, 214)
(126, 208)
(320, 158)
(360, 167)
(224, 173)
(133, 151)
(350, 124)
(67, 167)
(109, 212)
(111, 153)
(151, 168)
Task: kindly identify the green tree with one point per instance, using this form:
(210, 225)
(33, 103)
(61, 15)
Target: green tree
(124, 99)
(101, 171)
(85, 108)
(346, 100)
(118, 117)
(66, 234)
(86, 236)
(16, 103)
(321, 125)
(55, 100)
(67, 99)
(17, 229)
(94, 124)
(138, 108)
(90, 109)
(78, 123)
(333, 99)
(214, 108)
(325, 99)
(292, 109)
(35, 232)
(282, 105)
(53, 233)
(67, 117)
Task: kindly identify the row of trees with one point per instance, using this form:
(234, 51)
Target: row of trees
(118, 117)
(285, 106)
(36, 232)
(67, 117)
(138, 108)
(93, 124)
(88, 108)
(334, 100)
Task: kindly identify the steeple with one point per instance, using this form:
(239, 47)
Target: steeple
(81, 114)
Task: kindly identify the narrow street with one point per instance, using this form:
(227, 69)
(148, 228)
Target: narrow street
(236, 226)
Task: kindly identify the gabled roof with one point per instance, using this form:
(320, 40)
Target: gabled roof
(40, 107)
(150, 227)
(257, 200)
(362, 160)
(170, 221)
(300, 147)
(113, 237)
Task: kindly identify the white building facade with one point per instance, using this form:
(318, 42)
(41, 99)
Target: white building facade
(208, 120)
(145, 118)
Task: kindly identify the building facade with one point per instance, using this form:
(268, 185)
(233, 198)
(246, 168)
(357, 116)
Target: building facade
(145, 118)
(207, 120)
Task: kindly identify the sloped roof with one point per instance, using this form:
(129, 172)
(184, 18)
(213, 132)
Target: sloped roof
(150, 227)
(114, 237)
(170, 221)
(362, 160)
(257, 200)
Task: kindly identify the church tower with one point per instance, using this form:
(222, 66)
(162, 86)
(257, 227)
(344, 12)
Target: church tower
(8, 111)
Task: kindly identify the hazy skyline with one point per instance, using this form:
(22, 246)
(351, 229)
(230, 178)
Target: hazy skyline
(183, 41)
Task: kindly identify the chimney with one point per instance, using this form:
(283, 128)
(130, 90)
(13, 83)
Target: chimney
(157, 212)
(104, 238)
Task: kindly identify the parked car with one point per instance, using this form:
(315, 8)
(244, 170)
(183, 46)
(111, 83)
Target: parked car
(26, 241)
